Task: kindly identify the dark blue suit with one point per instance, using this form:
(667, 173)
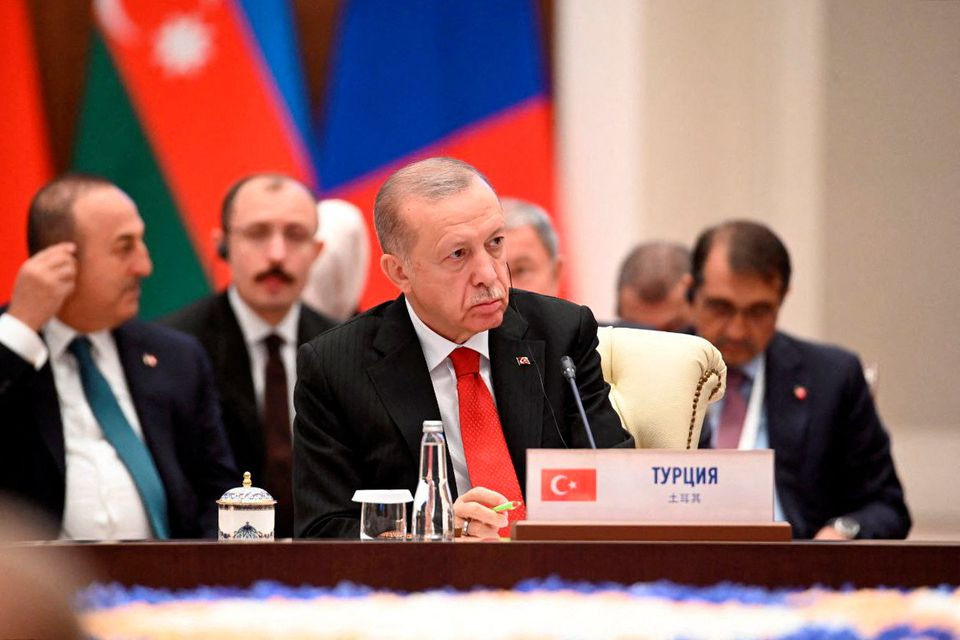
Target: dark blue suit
(171, 384)
(832, 453)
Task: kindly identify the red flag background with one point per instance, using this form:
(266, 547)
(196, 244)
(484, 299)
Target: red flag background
(24, 154)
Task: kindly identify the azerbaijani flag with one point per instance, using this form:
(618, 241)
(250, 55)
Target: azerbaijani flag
(24, 155)
(421, 78)
(181, 101)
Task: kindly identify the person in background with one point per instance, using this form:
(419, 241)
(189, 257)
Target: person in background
(339, 274)
(653, 286)
(533, 251)
(110, 426)
(834, 474)
(459, 346)
(252, 330)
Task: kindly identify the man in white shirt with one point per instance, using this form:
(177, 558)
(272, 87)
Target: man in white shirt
(457, 346)
(252, 330)
(110, 426)
(809, 402)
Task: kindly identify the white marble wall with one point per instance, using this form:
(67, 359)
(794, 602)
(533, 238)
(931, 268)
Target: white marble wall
(836, 122)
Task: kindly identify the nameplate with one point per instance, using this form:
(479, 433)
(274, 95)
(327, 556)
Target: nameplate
(649, 485)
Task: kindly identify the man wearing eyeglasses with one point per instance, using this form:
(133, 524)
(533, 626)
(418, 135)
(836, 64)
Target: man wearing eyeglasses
(252, 330)
(835, 478)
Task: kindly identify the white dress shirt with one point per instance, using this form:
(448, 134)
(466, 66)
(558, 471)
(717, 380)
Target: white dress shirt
(755, 433)
(255, 329)
(436, 352)
(102, 501)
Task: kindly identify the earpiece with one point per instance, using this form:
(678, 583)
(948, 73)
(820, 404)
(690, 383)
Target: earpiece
(694, 286)
(222, 250)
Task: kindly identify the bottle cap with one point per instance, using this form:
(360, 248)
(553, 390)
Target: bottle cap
(247, 495)
(432, 426)
(383, 496)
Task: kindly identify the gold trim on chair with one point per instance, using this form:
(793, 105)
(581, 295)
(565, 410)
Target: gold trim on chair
(696, 399)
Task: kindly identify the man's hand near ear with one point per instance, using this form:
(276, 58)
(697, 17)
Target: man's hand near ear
(43, 283)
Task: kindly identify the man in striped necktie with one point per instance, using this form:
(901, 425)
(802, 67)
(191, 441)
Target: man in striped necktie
(458, 346)
(809, 402)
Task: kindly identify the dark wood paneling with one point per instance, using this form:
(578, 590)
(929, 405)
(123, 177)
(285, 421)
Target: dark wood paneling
(418, 566)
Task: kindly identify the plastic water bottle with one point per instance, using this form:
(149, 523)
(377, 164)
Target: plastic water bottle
(432, 503)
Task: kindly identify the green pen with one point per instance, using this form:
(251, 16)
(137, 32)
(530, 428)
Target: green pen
(507, 506)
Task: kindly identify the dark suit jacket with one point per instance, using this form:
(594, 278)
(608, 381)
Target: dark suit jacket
(363, 392)
(212, 321)
(177, 407)
(832, 454)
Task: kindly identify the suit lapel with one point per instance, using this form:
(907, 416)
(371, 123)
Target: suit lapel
(140, 368)
(232, 366)
(46, 409)
(787, 415)
(401, 376)
(517, 386)
(310, 325)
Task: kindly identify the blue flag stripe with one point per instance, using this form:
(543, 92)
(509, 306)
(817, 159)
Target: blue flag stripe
(273, 26)
(407, 74)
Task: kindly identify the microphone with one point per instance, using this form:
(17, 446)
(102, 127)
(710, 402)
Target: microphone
(569, 372)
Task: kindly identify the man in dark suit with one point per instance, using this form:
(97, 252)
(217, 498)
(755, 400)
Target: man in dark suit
(268, 224)
(535, 261)
(110, 426)
(457, 346)
(652, 288)
(834, 474)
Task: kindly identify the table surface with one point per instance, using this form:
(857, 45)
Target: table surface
(411, 566)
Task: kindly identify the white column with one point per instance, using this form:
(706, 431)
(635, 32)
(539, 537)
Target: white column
(598, 107)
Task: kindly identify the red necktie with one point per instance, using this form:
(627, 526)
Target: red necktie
(488, 460)
(734, 411)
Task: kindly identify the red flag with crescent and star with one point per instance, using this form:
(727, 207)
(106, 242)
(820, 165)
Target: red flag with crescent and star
(573, 485)
(206, 100)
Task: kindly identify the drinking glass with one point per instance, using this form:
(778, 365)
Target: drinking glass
(383, 514)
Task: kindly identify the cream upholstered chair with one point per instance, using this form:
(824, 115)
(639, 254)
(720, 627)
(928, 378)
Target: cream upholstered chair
(661, 383)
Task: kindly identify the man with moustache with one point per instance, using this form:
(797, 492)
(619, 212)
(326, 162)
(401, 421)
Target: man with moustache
(809, 402)
(456, 346)
(252, 330)
(109, 425)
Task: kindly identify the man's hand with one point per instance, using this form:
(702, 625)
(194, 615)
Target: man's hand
(829, 533)
(473, 507)
(43, 283)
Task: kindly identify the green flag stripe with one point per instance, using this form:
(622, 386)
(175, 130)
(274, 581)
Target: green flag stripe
(111, 143)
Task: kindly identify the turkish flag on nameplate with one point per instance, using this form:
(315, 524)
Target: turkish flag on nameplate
(574, 485)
